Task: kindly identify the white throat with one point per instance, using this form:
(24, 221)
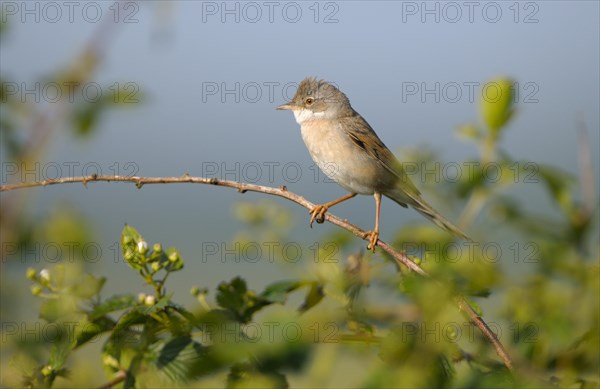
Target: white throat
(304, 115)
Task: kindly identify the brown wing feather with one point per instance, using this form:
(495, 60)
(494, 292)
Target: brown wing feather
(364, 137)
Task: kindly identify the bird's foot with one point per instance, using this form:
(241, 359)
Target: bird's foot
(318, 214)
(373, 237)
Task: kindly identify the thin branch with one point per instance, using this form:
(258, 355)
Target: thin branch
(120, 376)
(399, 258)
(241, 187)
(464, 306)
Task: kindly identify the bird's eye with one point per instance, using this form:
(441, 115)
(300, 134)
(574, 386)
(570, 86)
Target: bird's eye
(309, 101)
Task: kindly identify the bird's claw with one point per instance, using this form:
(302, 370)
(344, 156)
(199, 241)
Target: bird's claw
(317, 214)
(373, 237)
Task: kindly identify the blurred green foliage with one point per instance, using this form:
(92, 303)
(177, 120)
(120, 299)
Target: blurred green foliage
(405, 330)
(28, 126)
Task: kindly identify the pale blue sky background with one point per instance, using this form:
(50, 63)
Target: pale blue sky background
(176, 49)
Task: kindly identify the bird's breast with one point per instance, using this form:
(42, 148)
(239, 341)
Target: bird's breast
(341, 160)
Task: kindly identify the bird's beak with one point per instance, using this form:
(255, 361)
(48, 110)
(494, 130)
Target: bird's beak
(287, 106)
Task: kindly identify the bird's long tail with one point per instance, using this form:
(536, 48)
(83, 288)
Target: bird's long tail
(427, 210)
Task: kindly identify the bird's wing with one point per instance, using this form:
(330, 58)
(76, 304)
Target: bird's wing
(364, 137)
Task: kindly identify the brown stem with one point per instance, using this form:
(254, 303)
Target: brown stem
(478, 322)
(119, 377)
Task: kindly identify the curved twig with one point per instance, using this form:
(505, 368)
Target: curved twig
(399, 258)
(120, 376)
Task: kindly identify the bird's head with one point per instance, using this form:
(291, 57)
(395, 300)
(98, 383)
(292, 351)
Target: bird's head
(317, 99)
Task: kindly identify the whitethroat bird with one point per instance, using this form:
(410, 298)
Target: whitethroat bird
(348, 151)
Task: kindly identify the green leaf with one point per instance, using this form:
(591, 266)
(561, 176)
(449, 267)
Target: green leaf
(54, 310)
(474, 306)
(313, 297)
(129, 242)
(128, 94)
(236, 298)
(244, 375)
(497, 103)
(158, 306)
(277, 292)
(130, 235)
(10, 139)
(129, 319)
(112, 304)
(263, 370)
(176, 323)
(91, 330)
(233, 295)
(60, 350)
(89, 286)
(447, 367)
(183, 312)
(180, 358)
(134, 368)
(86, 117)
(558, 184)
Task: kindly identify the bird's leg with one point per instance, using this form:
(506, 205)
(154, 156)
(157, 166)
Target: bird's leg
(374, 235)
(318, 212)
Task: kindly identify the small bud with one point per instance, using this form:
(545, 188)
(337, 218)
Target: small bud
(150, 300)
(31, 273)
(141, 297)
(47, 370)
(195, 291)
(142, 247)
(174, 256)
(157, 248)
(36, 290)
(155, 266)
(110, 361)
(45, 275)
(497, 103)
(129, 255)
